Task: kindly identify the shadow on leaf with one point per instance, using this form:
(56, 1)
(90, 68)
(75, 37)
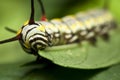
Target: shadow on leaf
(55, 72)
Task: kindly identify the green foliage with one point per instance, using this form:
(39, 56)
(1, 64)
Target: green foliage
(15, 72)
(77, 61)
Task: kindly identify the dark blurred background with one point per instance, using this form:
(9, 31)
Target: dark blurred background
(13, 13)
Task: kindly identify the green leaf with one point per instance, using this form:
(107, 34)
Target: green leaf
(15, 72)
(112, 73)
(86, 56)
(12, 14)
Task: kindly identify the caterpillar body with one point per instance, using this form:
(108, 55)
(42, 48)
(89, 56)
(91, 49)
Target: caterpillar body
(37, 35)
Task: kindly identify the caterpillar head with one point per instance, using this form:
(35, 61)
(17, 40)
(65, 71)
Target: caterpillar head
(31, 43)
(34, 37)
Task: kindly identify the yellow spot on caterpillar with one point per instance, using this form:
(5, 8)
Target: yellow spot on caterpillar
(26, 22)
(27, 45)
(19, 31)
(56, 19)
(41, 28)
(73, 27)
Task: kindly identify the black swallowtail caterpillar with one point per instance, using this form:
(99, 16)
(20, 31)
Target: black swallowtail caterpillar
(37, 35)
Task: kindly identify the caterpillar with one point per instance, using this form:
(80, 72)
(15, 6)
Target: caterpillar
(38, 35)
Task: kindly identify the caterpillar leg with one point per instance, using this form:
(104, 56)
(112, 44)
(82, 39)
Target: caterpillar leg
(91, 37)
(93, 41)
(38, 58)
(106, 37)
(41, 60)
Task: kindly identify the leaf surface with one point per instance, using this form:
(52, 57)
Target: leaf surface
(86, 56)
